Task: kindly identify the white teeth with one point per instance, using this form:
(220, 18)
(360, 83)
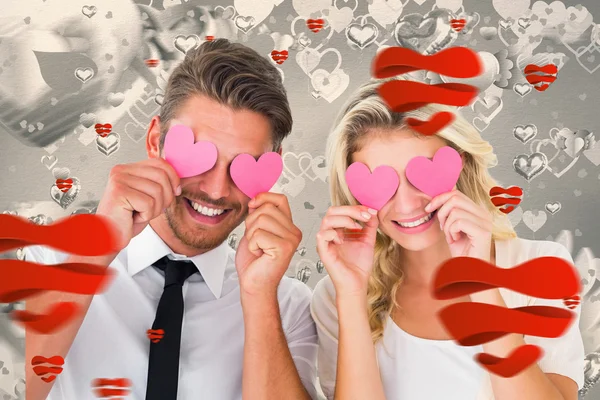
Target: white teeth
(416, 223)
(210, 212)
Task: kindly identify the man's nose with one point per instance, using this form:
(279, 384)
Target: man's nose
(217, 182)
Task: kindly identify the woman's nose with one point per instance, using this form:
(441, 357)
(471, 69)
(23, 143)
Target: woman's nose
(408, 200)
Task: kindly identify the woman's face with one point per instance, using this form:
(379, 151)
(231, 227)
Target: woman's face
(403, 217)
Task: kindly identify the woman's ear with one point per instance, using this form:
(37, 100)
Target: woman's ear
(280, 150)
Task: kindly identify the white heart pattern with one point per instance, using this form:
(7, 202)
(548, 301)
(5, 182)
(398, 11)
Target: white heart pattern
(362, 35)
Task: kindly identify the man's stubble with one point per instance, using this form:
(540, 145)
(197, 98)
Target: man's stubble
(203, 238)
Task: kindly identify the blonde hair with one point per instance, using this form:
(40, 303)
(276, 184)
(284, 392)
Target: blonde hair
(365, 113)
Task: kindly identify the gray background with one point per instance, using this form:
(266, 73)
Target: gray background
(47, 113)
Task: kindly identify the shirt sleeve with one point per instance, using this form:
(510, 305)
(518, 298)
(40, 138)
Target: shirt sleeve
(563, 355)
(44, 255)
(300, 332)
(325, 315)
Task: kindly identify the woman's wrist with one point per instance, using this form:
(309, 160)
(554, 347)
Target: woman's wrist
(355, 303)
(352, 295)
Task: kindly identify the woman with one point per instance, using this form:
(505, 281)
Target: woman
(375, 314)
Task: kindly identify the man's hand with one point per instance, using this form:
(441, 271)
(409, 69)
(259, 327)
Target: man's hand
(268, 245)
(137, 193)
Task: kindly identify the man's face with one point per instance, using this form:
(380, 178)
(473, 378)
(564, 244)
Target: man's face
(210, 205)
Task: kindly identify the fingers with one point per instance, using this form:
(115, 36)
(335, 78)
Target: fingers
(270, 209)
(453, 229)
(439, 200)
(339, 221)
(172, 176)
(278, 200)
(153, 199)
(141, 202)
(161, 189)
(269, 216)
(458, 213)
(475, 227)
(324, 238)
(340, 224)
(269, 243)
(268, 223)
(359, 213)
(144, 177)
(458, 200)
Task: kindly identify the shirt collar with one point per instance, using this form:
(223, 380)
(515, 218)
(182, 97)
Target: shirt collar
(147, 247)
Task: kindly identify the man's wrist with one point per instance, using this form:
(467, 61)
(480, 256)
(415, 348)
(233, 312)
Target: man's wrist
(258, 299)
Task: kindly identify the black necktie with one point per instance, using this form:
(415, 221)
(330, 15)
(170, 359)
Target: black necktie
(163, 366)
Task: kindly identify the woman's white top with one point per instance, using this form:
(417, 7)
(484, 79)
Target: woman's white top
(414, 368)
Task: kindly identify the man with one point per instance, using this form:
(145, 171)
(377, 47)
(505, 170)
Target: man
(246, 329)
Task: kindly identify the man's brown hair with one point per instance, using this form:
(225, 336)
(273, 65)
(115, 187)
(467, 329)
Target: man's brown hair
(234, 75)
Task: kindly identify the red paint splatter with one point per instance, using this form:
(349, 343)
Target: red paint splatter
(472, 323)
(461, 276)
(111, 387)
(511, 365)
(81, 234)
(55, 317)
(403, 96)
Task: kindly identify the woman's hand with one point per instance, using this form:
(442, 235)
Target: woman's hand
(467, 226)
(346, 248)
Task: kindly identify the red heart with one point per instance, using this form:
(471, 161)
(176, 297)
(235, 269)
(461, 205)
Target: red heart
(64, 184)
(279, 56)
(103, 129)
(155, 335)
(458, 24)
(541, 76)
(506, 204)
(315, 25)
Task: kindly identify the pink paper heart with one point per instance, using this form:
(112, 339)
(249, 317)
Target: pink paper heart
(372, 189)
(185, 156)
(437, 176)
(253, 177)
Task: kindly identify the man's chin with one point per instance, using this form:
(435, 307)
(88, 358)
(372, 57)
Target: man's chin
(195, 234)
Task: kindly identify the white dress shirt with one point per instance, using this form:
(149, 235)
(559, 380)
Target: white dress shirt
(112, 341)
(414, 368)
